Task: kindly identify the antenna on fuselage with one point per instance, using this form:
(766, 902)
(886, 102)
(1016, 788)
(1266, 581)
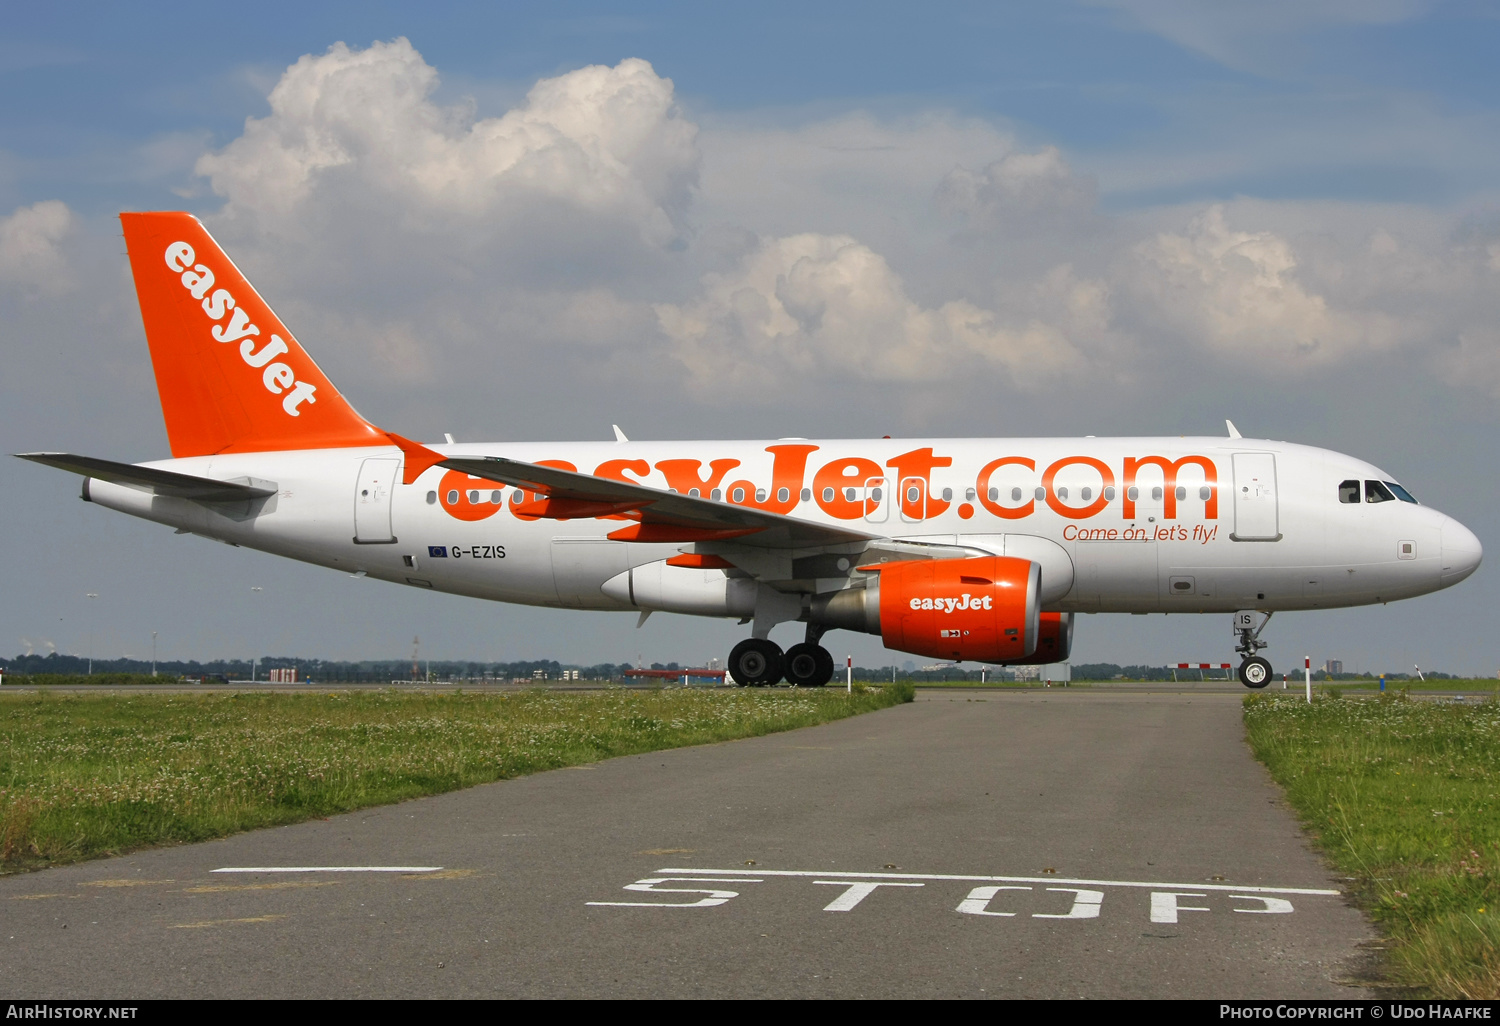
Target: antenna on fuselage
(1234, 432)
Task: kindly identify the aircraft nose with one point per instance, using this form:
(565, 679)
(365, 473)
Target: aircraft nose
(1461, 552)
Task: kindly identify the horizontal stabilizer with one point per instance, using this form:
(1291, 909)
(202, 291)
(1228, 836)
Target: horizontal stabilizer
(162, 482)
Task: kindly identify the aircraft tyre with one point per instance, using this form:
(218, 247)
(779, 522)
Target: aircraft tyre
(756, 662)
(1255, 672)
(809, 666)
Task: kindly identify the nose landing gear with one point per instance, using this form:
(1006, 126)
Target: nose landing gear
(1255, 672)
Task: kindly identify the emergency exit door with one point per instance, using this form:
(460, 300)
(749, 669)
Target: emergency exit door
(372, 501)
(1255, 514)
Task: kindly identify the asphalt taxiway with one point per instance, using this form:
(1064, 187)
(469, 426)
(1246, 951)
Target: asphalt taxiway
(1062, 843)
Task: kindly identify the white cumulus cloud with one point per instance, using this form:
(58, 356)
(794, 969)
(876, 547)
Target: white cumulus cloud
(1017, 184)
(607, 141)
(31, 252)
(808, 308)
(1238, 292)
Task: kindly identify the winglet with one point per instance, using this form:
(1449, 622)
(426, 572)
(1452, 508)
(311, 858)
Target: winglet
(1234, 432)
(419, 458)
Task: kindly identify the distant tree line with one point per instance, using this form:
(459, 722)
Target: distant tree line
(330, 670)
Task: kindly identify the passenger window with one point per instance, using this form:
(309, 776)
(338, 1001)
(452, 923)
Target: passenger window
(1377, 492)
(1402, 493)
(1348, 491)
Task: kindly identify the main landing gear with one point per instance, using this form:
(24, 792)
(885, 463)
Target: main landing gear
(757, 662)
(1255, 672)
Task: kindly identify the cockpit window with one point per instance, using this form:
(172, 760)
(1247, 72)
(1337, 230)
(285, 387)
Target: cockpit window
(1377, 492)
(1348, 491)
(1402, 493)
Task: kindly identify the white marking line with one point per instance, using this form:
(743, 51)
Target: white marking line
(715, 897)
(328, 869)
(858, 890)
(1011, 879)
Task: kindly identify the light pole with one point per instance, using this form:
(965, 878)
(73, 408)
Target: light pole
(92, 595)
(153, 653)
(254, 591)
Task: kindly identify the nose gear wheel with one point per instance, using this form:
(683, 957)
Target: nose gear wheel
(1255, 672)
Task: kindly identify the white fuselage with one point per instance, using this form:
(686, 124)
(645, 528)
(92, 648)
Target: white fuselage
(1146, 524)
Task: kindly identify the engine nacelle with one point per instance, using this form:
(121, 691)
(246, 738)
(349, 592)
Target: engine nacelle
(986, 609)
(676, 589)
(1054, 641)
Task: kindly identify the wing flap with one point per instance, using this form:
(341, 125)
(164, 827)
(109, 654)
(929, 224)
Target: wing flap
(162, 482)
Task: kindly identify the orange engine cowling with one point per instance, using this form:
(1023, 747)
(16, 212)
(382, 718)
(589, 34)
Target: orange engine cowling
(1054, 641)
(986, 609)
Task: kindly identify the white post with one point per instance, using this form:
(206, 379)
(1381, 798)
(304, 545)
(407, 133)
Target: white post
(1307, 674)
(92, 595)
(253, 592)
(849, 670)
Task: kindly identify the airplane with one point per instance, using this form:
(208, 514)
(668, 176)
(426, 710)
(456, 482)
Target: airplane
(978, 549)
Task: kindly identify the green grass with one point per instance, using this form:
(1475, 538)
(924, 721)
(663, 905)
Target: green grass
(1479, 686)
(1403, 796)
(82, 776)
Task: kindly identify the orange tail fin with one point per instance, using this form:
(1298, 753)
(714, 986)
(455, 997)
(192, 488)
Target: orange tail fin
(232, 378)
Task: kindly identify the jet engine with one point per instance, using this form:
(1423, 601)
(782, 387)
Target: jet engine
(1054, 641)
(987, 608)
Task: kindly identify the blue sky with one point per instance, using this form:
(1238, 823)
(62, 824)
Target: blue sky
(83, 82)
(1161, 213)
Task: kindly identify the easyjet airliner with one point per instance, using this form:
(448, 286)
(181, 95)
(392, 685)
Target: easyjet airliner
(977, 549)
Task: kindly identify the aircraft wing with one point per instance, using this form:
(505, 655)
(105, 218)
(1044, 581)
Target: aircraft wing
(162, 482)
(660, 516)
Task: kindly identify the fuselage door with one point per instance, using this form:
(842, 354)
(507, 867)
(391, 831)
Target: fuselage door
(372, 501)
(1255, 515)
